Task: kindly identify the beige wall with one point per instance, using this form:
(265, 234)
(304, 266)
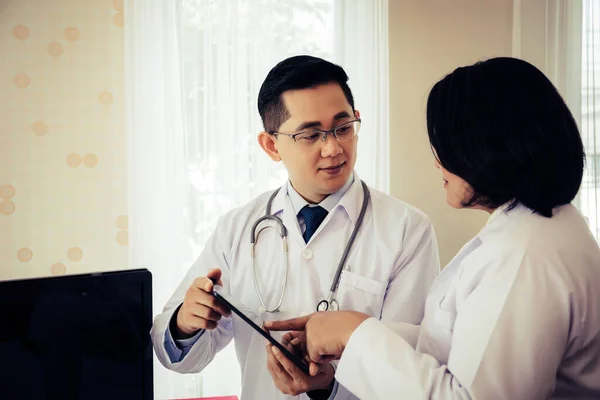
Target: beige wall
(62, 142)
(429, 38)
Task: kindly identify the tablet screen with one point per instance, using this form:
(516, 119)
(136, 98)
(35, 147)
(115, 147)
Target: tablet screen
(253, 320)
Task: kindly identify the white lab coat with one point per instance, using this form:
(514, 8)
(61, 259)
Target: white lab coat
(515, 315)
(389, 272)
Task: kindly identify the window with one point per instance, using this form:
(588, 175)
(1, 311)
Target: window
(589, 197)
(228, 49)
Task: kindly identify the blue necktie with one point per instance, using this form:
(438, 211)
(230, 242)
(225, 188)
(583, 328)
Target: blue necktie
(313, 216)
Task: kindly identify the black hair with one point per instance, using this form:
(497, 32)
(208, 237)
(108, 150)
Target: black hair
(294, 73)
(502, 126)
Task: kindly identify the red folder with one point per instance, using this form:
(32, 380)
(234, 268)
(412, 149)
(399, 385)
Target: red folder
(213, 398)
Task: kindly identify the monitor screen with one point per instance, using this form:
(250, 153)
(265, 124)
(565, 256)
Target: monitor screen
(77, 337)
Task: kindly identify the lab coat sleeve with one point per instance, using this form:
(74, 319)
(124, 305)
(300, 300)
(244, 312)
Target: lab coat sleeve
(204, 349)
(509, 336)
(408, 332)
(374, 364)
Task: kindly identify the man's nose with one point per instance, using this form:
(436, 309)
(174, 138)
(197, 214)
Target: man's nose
(331, 146)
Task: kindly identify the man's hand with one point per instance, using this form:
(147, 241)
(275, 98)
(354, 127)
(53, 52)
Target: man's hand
(200, 309)
(327, 333)
(288, 378)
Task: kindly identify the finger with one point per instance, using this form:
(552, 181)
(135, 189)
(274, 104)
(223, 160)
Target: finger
(208, 286)
(314, 369)
(294, 346)
(294, 350)
(215, 276)
(271, 362)
(208, 300)
(299, 340)
(293, 335)
(318, 358)
(277, 370)
(207, 313)
(294, 324)
(200, 282)
(307, 359)
(327, 359)
(292, 370)
(290, 348)
(286, 339)
(313, 355)
(196, 323)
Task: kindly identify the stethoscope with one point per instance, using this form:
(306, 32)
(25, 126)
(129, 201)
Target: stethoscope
(330, 303)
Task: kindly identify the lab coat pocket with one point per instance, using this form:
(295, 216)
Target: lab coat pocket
(359, 293)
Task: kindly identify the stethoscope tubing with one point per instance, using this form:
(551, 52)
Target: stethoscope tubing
(330, 301)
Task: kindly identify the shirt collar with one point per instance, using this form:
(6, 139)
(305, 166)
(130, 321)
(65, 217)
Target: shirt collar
(497, 219)
(298, 202)
(498, 211)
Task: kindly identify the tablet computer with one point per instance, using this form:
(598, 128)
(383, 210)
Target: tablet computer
(292, 357)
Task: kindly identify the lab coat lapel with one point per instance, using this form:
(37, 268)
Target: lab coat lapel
(353, 199)
(282, 207)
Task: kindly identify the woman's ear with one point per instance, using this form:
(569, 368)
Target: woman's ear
(357, 113)
(268, 143)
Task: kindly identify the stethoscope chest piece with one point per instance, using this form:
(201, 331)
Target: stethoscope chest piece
(325, 305)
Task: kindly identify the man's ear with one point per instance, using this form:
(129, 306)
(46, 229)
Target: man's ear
(268, 143)
(357, 115)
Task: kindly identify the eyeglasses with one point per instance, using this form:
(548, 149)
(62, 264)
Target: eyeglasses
(342, 133)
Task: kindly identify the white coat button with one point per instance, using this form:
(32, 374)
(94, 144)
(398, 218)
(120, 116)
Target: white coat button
(307, 254)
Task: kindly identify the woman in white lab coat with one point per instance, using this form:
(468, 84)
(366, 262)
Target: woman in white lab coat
(516, 313)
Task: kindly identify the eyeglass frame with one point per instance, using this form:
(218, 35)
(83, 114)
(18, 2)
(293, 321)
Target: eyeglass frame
(325, 132)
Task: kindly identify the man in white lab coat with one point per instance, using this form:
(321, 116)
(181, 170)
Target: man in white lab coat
(311, 125)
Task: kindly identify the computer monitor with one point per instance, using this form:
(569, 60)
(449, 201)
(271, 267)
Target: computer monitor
(77, 337)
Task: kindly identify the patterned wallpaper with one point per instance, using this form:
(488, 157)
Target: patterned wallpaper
(62, 137)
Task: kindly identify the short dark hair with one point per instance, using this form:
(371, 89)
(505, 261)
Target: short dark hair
(502, 126)
(298, 72)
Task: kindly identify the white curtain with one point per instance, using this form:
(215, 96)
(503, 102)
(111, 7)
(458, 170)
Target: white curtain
(562, 38)
(361, 46)
(547, 33)
(194, 68)
(158, 230)
(590, 108)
